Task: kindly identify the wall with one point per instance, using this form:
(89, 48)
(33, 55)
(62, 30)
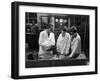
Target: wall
(5, 40)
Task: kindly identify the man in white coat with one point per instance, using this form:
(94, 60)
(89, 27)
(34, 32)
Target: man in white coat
(75, 43)
(63, 42)
(46, 40)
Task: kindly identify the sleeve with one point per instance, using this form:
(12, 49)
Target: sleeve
(79, 45)
(53, 39)
(69, 40)
(40, 38)
(67, 43)
(76, 44)
(58, 42)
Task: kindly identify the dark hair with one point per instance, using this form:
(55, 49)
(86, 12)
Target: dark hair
(73, 29)
(63, 29)
(50, 25)
(46, 26)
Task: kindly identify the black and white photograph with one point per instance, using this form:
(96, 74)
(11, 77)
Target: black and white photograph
(51, 40)
(56, 39)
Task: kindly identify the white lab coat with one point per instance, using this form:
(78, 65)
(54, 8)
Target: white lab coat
(45, 41)
(63, 44)
(76, 45)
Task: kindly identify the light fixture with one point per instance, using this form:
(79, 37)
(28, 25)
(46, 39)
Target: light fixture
(61, 20)
(56, 20)
(65, 20)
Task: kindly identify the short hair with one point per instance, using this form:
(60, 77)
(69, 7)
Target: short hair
(73, 29)
(63, 29)
(48, 26)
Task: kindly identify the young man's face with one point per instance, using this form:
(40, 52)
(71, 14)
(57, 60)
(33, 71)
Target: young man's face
(49, 30)
(63, 33)
(73, 34)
